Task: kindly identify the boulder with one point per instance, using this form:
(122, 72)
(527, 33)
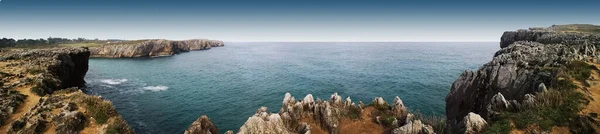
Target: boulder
(202, 125)
(529, 100)
(542, 88)
(413, 127)
(472, 124)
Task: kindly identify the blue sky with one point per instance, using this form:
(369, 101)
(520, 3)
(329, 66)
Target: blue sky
(286, 20)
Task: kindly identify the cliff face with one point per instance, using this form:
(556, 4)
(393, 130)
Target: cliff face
(523, 67)
(152, 48)
(40, 94)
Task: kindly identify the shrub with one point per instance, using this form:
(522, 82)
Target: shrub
(35, 70)
(438, 123)
(99, 109)
(501, 126)
(556, 107)
(353, 113)
(119, 126)
(579, 70)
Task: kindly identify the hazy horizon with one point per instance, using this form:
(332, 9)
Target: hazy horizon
(287, 21)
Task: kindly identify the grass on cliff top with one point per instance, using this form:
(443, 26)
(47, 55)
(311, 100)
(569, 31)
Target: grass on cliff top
(97, 108)
(583, 28)
(557, 107)
(102, 43)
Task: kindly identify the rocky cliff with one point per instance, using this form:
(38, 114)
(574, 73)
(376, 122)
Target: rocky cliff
(335, 115)
(529, 64)
(151, 48)
(40, 94)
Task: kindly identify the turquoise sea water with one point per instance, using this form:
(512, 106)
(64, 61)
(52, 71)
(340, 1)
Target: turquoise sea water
(165, 95)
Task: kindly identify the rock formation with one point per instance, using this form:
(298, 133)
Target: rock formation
(202, 125)
(516, 73)
(472, 124)
(50, 79)
(151, 48)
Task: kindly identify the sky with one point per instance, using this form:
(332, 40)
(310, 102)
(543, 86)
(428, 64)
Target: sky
(287, 20)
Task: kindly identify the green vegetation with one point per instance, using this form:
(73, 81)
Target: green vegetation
(353, 113)
(557, 107)
(35, 70)
(437, 122)
(99, 109)
(584, 28)
(580, 70)
(118, 126)
(386, 117)
(501, 126)
(90, 44)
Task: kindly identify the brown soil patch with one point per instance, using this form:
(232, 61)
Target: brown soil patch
(29, 101)
(364, 125)
(594, 93)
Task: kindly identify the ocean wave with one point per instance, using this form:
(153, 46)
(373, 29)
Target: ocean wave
(156, 88)
(113, 81)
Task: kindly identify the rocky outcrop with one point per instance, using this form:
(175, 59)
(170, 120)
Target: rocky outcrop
(263, 122)
(517, 72)
(152, 48)
(67, 66)
(9, 101)
(472, 124)
(45, 72)
(514, 71)
(550, 35)
(202, 125)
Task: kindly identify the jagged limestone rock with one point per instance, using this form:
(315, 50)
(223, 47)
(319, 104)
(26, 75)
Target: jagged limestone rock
(472, 124)
(336, 99)
(308, 101)
(398, 108)
(264, 123)
(202, 125)
(412, 127)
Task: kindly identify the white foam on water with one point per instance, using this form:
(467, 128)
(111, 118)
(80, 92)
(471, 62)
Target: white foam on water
(156, 88)
(113, 81)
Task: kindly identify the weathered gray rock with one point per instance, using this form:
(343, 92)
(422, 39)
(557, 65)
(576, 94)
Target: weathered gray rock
(529, 100)
(9, 102)
(472, 124)
(412, 127)
(542, 88)
(69, 122)
(308, 101)
(398, 108)
(379, 102)
(264, 123)
(202, 125)
(336, 99)
(513, 72)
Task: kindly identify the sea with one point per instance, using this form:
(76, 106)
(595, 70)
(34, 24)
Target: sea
(228, 84)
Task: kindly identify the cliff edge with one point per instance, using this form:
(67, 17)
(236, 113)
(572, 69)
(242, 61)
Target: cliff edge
(151, 48)
(40, 94)
(535, 83)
